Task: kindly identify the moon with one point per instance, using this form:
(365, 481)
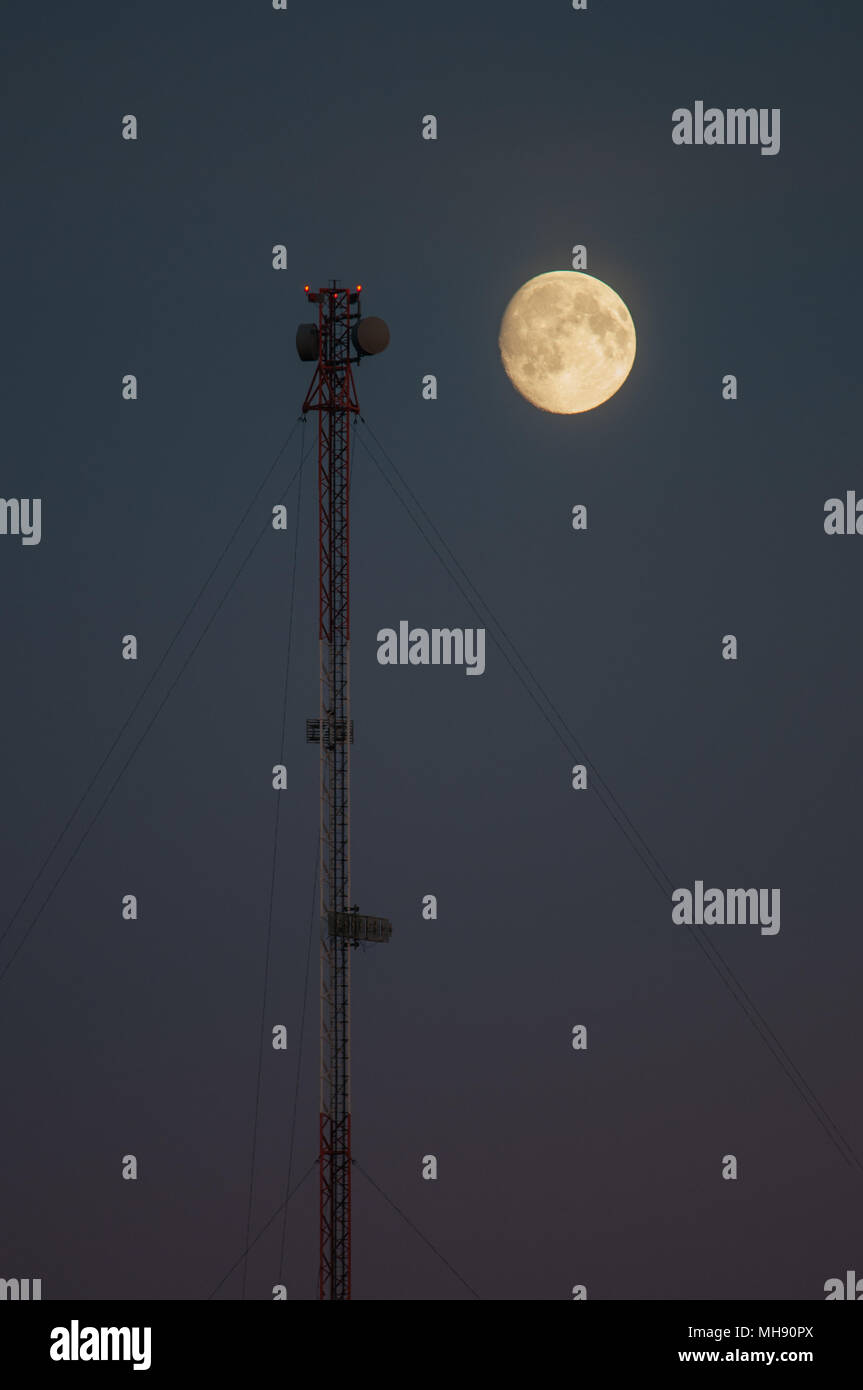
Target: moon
(567, 341)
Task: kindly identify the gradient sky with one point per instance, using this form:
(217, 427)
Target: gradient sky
(705, 518)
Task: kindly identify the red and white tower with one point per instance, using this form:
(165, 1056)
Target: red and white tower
(340, 337)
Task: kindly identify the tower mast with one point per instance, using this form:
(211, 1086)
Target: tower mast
(339, 338)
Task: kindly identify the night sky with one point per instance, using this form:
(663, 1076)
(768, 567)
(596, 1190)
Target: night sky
(154, 257)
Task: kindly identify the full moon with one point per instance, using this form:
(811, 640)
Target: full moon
(567, 341)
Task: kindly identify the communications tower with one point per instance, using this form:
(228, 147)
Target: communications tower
(339, 338)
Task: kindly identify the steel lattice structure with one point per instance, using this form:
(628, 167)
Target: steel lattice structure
(334, 341)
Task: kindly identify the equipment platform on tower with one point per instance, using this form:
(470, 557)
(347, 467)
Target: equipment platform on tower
(354, 927)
